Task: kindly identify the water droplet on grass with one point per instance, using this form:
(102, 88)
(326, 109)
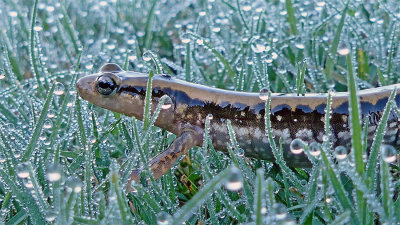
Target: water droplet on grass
(47, 124)
(167, 104)
(297, 146)
(341, 152)
(388, 153)
(258, 46)
(53, 172)
(147, 56)
(264, 94)
(343, 50)
(74, 183)
(59, 89)
(280, 211)
(314, 149)
(234, 182)
(163, 218)
(23, 170)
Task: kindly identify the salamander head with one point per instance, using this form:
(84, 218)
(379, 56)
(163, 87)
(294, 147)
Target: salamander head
(114, 89)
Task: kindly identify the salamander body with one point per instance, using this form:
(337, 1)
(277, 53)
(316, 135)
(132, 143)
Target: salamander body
(292, 116)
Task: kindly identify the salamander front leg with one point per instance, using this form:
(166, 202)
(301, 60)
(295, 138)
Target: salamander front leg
(162, 162)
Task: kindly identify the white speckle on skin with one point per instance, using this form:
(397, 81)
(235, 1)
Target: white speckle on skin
(242, 113)
(344, 135)
(279, 117)
(344, 118)
(295, 120)
(257, 133)
(285, 134)
(320, 136)
(258, 116)
(242, 131)
(304, 133)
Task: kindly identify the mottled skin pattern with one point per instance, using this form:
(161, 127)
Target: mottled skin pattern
(291, 116)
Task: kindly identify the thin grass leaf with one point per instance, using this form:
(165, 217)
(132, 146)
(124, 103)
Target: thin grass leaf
(387, 190)
(18, 218)
(216, 53)
(38, 126)
(344, 218)
(32, 46)
(259, 202)
(335, 44)
(187, 210)
(147, 102)
(287, 172)
(291, 17)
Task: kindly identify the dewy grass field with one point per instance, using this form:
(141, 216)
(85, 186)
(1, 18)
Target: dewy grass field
(66, 161)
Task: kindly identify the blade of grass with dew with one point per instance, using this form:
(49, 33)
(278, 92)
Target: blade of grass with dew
(356, 131)
(187, 210)
(66, 99)
(66, 22)
(335, 43)
(344, 218)
(32, 45)
(238, 161)
(238, 8)
(188, 62)
(291, 17)
(155, 60)
(376, 144)
(300, 79)
(147, 101)
(121, 199)
(278, 156)
(38, 126)
(387, 190)
(17, 218)
(216, 53)
(24, 198)
(259, 202)
(147, 28)
(329, 171)
(38, 191)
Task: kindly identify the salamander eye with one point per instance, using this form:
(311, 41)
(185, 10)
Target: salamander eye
(106, 85)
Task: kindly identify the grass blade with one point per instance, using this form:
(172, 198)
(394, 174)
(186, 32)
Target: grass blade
(38, 126)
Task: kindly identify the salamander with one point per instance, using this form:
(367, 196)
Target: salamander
(292, 116)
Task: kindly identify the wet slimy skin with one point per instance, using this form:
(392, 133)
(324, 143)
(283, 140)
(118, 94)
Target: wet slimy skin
(292, 116)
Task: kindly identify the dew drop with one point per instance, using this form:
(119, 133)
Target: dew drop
(23, 170)
(51, 215)
(167, 104)
(13, 13)
(53, 172)
(343, 50)
(297, 146)
(341, 152)
(234, 182)
(163, 218)
(59, 89)
(263, 95)
(388, 153)
(314, 149)
(74, 183)
(185, 38)
(47, 124)
(147, 56)
(258, 46)
(279, 210)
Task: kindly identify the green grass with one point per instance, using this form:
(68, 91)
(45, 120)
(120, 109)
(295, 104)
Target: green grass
(75, 171)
